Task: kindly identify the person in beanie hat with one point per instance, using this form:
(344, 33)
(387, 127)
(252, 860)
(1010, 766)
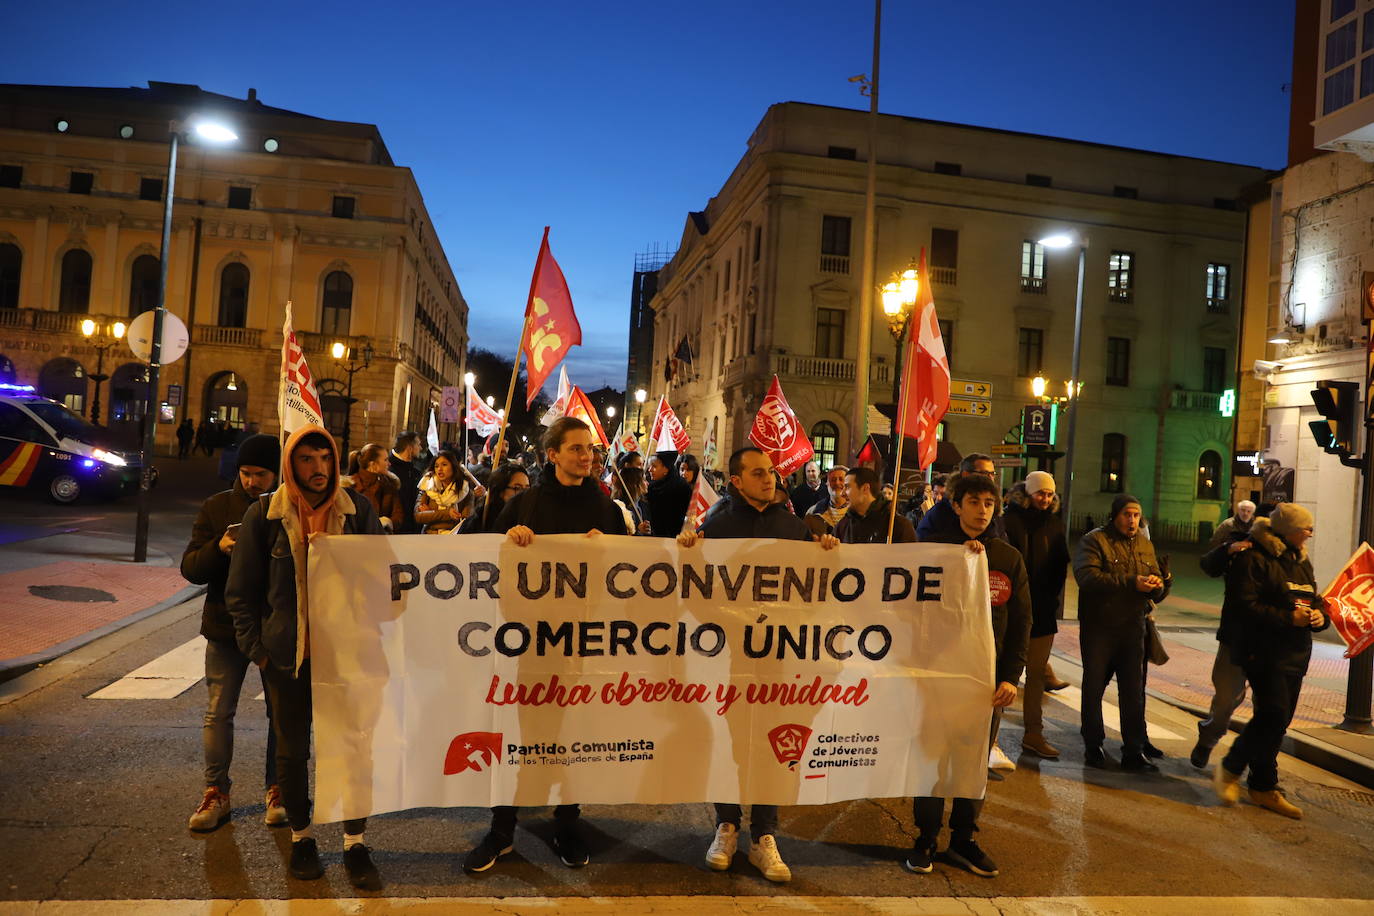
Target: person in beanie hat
(1035, 528)
(1119, 580)
(267, 600)
(1271, 610)
(206, 562)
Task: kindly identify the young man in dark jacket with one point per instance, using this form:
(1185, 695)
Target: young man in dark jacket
(401, 462)
(566, 500)
(975, 500)
(1271, 610)
(869, 512)
(754, 511)
(1118, 579)
(940, 520)
(1035, 528)
(266, 598)
(206, 562)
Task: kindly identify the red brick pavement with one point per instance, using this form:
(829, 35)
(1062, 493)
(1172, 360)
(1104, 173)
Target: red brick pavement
(31, 624)
(1188, 678)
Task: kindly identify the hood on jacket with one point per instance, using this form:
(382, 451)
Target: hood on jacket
(388, 480)
(1263, 537)
(288, 479)
(1020, 498)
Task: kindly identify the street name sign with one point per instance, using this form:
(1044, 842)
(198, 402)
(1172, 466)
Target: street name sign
(970, 408)
(1007, 448)
(962, 387)
(1007, 462)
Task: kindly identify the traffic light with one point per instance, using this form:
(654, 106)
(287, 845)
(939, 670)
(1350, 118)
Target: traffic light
(1339, 403)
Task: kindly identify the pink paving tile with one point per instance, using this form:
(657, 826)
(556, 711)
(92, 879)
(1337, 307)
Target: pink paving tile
(30, 623)
(1188, 678)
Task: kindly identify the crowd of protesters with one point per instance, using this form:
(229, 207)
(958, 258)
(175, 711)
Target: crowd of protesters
(249, 546)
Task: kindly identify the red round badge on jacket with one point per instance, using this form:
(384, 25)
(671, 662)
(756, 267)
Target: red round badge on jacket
(1000, 587)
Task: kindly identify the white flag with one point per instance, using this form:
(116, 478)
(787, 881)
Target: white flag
(297, 403)
(433, 436)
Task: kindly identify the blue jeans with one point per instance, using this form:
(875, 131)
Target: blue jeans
(225, 667)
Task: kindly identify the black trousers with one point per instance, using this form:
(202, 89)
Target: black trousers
(1113, 650)
(503, 818)
(928, 811)
(291, 720)
(1274, 693)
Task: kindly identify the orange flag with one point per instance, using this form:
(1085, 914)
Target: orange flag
(925, 374)
(580, 406)
(551, 324)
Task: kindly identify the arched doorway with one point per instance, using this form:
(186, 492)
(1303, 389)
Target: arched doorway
(11, 264)
(1209, 475)
(64, 380)
(226, 400)
(128, 401)
(825, 438)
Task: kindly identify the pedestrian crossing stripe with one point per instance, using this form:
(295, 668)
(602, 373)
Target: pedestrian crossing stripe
(18, 467)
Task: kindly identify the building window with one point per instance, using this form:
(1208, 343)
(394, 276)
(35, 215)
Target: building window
(843, 152)
(1218, 287)
(128, 395)
(11, 264)
(944, 256)
(947, 338)
(1030, 350)
(233, 296)
(1032, 267)
(1113, 463)
(1121, 276)
(1039, 181)
(338, 304)
(1367, 73)
(825, 439)
(1339, 90)
(150, 189)
(81, 182)
(1341, 8)
(343, 207)
(835, 244)
(830, 333)
(948, 168)
(1209, 475)
(144, 279)
(240, 198)
(1118, 361)
(11, 176)
(1129, 193)
(1214, 369)
(64, 380)
(1340, 46)
(74, 294)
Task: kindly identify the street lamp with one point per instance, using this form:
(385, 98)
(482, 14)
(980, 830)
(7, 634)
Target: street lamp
(469, 379)
(899, 298)
(108, 337)
(610, 411)
(640, 396)
(1063, 240)
(352, 356)
(212, 132)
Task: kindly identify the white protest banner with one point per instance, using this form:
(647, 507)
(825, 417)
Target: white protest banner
(629, 670)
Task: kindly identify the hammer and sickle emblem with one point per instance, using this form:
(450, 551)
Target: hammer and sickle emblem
(540, 338)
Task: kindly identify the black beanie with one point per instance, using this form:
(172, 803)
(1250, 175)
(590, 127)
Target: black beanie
(261, 451)
(1121, 502)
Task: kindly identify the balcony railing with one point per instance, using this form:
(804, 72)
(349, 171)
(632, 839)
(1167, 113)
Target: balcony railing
(945, 276)
(815, 367)
(1209, 401)
(1218, 306)
(45, 320)
(1120, 294)
(1033, 285)
(834, 263)
(228, 337)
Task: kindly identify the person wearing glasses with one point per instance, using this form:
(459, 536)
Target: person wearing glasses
(506, 482)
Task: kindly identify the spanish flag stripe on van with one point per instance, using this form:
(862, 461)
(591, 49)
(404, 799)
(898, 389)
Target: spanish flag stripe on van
(18, 467)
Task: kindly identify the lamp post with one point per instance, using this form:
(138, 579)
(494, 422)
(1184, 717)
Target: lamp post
(351, 356)
(899, 298)
(214, 133)
(469, 379)
(107, 338)
(1059, 241)
(640, 396)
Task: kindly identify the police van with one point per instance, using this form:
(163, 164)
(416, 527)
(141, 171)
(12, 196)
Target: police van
(43, 445)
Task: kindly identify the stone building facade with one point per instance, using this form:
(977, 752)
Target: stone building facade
(297, 209)
(766, 281)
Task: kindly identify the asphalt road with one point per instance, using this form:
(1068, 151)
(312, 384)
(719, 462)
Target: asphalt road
(95, 794)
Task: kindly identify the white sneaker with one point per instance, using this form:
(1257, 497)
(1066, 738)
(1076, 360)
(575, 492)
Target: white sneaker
(275, 815)
(997, 760)
(214, 810)
(763, 855)
(722, 851)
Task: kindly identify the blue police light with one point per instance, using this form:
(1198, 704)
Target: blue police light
(86, 462)
(27, 389)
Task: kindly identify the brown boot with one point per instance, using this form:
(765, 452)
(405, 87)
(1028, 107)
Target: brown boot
(1052, 681)
(1274, 801)
(1037, 745)
(1226, 784)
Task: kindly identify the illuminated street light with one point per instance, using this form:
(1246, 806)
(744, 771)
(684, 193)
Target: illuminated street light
(469, 379)
(338, 350)
(610, 411)
(1038, 385)
(103, 342)
(215, 132)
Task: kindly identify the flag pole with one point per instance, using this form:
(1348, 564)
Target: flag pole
(901, 439)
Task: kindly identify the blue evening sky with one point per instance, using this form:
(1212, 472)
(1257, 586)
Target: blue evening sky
(609, 121)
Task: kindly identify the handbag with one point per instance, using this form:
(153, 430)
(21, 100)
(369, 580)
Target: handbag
(1155, 652)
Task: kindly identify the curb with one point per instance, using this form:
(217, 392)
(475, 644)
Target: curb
(11, 668)
(1304, 747)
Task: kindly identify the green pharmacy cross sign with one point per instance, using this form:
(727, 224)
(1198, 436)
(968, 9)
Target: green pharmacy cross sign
(1227, 404)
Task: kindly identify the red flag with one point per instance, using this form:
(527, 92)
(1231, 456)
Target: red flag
(297, 403)
(667, 434)
(925, 374)
(704, 497)
(481, 417)
(777, 431)
(580, 407)
(1350, 602)
(552, 326)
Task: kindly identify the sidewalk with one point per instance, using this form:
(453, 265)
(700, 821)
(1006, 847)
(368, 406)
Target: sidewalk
(60, 589)
(1187, 622)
